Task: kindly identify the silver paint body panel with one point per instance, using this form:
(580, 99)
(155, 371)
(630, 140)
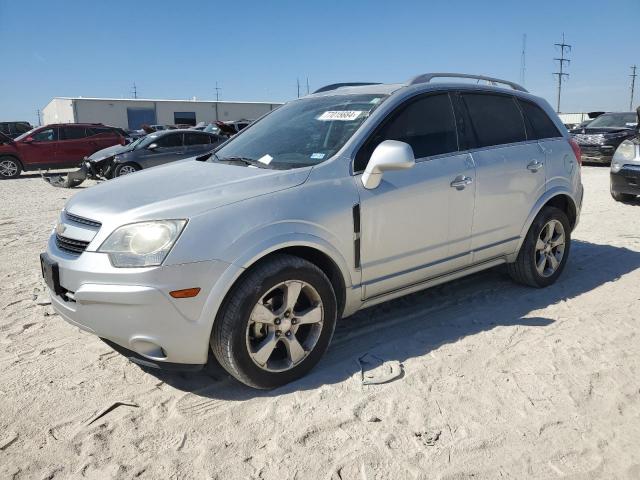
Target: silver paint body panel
(416, 229)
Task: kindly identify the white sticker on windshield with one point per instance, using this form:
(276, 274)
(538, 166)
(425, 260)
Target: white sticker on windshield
(317, 156)
(375, 101)
(631, 124)
(344, 115)
(266, 159)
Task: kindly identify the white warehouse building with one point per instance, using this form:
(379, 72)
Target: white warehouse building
(132, 113)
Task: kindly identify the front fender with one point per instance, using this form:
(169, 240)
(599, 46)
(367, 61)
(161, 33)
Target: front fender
(253, 252)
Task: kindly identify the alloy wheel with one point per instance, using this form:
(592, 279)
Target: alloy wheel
(550, 248)
(284, 326)
(126, 169)
(8, 168)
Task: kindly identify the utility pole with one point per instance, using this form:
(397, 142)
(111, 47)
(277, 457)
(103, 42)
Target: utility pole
(564, 47)
(633, 85)
(135, 90)
(39, 122)
(307, 85)
(217, 92)
(298, 82)
(523, 59)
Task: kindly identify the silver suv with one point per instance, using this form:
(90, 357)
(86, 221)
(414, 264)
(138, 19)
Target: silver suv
(351, 196)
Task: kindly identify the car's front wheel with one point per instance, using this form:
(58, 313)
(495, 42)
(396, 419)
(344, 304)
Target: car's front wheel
(276, 323)
(9, 167)
(125, 169)
(545, 249)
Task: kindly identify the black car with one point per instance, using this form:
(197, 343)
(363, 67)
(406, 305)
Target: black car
(153, 149)
(14, 129)
(600, 138)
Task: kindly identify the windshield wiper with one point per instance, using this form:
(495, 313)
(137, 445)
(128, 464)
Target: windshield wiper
(244, 160)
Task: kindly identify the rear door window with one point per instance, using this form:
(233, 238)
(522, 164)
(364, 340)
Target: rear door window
(427, 124)
(191, 138)
(538, 123)
(4, 128)
(495, 119)
(72, 133)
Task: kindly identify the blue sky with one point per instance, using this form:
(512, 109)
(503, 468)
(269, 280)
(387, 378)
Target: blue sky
(257, 49)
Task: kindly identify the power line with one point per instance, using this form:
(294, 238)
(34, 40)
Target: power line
(561, 61)
(523, 59)
(633, 85)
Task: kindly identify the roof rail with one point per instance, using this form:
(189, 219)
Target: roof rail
(427, 77)
(333, 86)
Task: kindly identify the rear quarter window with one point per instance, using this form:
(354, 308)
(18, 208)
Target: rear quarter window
(495, 119)
(537, 122)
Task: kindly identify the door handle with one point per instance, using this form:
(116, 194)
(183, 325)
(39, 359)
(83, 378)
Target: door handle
(461, 182)
(535, 166)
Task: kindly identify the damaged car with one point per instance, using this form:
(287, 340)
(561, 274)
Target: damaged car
(601, 137)
(154, 149)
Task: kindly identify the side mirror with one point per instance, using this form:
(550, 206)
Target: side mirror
(28, 140)
(389, 155)
(152, 146)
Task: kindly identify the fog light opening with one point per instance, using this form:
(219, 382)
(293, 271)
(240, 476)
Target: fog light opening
(149, 349)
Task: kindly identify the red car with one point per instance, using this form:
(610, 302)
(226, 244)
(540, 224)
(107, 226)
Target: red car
(54, 146)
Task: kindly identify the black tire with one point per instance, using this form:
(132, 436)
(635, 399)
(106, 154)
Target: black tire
(524, 270)
(229, 335)
(118, 172)
(10, 167)
(622, 197)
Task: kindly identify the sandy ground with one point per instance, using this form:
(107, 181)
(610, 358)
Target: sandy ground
(499, 380)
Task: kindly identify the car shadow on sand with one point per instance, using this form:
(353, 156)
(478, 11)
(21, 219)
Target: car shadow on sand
(414, 325)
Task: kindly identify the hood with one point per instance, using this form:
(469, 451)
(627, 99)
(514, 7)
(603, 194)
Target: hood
(592, 131)
(109, 152)
(180, 189)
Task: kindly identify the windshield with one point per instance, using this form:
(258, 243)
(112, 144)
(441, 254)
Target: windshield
(26, 134)
(615, 120)
(302, 133)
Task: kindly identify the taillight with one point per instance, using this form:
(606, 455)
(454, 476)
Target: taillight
(576, 150)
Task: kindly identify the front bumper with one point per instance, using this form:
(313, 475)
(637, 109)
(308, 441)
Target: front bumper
(597, 153)
(132, 308)
(626, 180)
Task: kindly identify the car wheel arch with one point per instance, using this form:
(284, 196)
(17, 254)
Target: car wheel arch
(558, 198)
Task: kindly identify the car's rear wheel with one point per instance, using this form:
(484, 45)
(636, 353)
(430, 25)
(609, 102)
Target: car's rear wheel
(10, 167)
(545, 249)
(125, 169)
(276, 323)
(622, 197)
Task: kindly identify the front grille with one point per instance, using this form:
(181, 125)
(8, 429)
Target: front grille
(585, 139)
(589, 150)
(82, 220)
(72, 246)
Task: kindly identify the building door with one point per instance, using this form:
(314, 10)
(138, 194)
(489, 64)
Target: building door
(137, 117)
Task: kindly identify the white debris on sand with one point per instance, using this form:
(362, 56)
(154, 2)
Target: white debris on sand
(498, 380)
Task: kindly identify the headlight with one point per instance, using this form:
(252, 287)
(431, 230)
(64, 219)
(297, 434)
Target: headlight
(144, 244)
(625, 153)
(616, 135)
